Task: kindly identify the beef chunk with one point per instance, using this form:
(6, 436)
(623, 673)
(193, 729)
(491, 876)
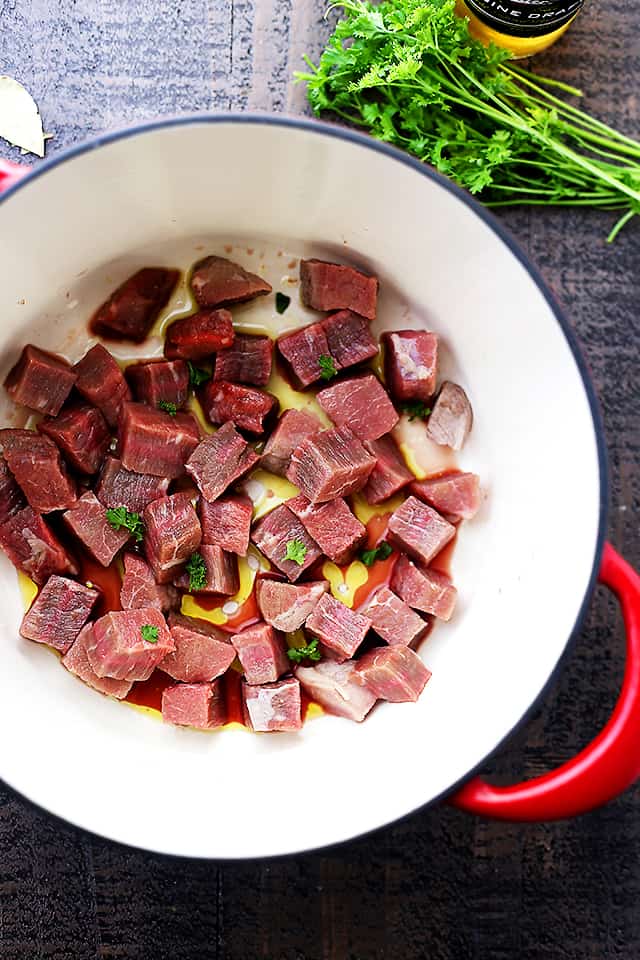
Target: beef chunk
(330, 464)
(337, 688)
(247, 361)
(199, 705)
(455, 495)
(419, 530)
(139, 588)
(118, 648)
(222, 574)
(172, 534)
(40, 380)
(390, 473)
(411, 364)
(361, 404)
(12, 498)
(216, 280)
(151, 441)
(286, 606)
(131, 310)
(226, 523)
(262, 653)
(87, 519)
(159, 381)
(83, 435)
(76, 661)
(349, 339)
(272, 534)
(219, 460)
(58, 613)
(273, 707)
(39, 470)
(451, 418)
(117, 487)
(32, 547)
(340, 629)
(249, 409)
(198, 336)
(332, 286)
(393, 673)
(102, 383)
(393, 619)
(301, 351)
(202, 651)
(332, 525)
(292, 428)
(423, 588)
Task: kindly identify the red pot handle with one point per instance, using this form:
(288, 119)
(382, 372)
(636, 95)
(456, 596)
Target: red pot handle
(10, 173)
(608, 765)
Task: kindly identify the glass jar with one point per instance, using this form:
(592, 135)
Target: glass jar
(524, 27)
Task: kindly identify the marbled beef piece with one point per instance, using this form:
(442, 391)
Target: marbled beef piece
(222, 575)
(273, 707)
(199, 705)
(40, 380)
(38, 469)
(198, 336)
(301, 351)
(117, 487)
(249, 361)
(12, 498)
(262, 653)
(32, 547)
(390, 473)
(349, 339)
(330, 464)
(292, 428)
(332, 525)
(451, 418)
(410, 364)
(172, 534)
(159, 381)
(83, 435)
(360, 403)
(102, 383)
(340, 629)
(216, 280)
(393, 673)
(59, 612)
(274, 531)
(151, 441)
(392, 618)
(337, 688)
(77, 662)
(219, 460)
(423, 588)
(456, 496)
(286, 606)
(139, 588)
(226, 523)
(202, 651)
(332, 286)
(246, 407)
(87, 520)
(131, 310)
(117, 647)
(419, 530)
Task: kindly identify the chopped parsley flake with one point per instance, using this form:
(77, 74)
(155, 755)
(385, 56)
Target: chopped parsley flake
(381, 552)
(309, 652)
(168, 407)
(149, 633)
(296, 551)
(416, 410)
(121, 519)
(282, 302)
(327, 366)
(197, 376)
(197, 570)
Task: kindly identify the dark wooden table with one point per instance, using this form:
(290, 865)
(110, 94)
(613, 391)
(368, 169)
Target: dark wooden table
(440, 884)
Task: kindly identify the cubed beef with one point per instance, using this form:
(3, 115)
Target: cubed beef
(390, 473)
(198, 336)
(262, 653)
(332, 525)
(361, 404)
(301, 351)
(419, 530)
(39, 470)
(159, 381)
(202, 651)
(226, 523)
(87, 519)
(332, 286)
(451, 418)
(219, 460)
(131, 310)
(337, 688)
(455, 495)
(129, 644)
(32, 547)
(59, 613)
(330, 464)
(199, 705)
(247, 361)
(286, 606)
(83, 435)
(246, 407)
(172, 534)
(151, 441)
(340, 629)
(292, 428)
(222, 575)
(76, 661)
(423, 588)
(40, 380)
(117, 487)
(410, 364)
(393, 673)
(216, 280)
(277, 529)
(102, 383)
(349, 339)
(273, 707)
(392, 618)
(12, 498)
(139, 588)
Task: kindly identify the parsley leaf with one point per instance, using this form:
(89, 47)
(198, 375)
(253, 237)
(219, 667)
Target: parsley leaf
(416, 410)
(282, 302)
(168, 407)
(310, 652)
(296, 551)
(197, 570)
(120, 518)
(380, 552)
(149, 633)
(197, 376)
(327, 366)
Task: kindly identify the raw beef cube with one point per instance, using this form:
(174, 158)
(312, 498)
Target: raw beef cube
(273, 707)
(340, 629)
(59, 613)
(83, 435)
(159, 381)
(451, 418)
(226, 523)
(330, 464)
(131, 310)
(249, 409)
(332, 525)
(87, 519)
(139, 588)
(40, 380)
(76, 661)
(337, 688)
(32, 547)
(390, 473)
(393, 673)
(393, 619)
(129, 644)
(198, 336)
(411, 364)
(219, 460)
(202, 653)
(172, 534)
(151, 441)
(286, 606)
(216, 280)
(247, 361)
(11, 497)
(332, 286)
(302, 350)
(222, 573)
(117, 487)
(277, 529)
(349, 339)
(455, 495)
(292, 428)
(39, 470)
(262, 653)
(419, 530)
(424, 589)
(199, 705)
(102, 383)
(361, 404)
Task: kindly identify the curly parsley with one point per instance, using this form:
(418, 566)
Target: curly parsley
(328, 369)
(416, 410)
(380, 552)
(122, 519)
(197, 570)
(197, 376)
(149, 633)
(168, 407)
(309, 652)
(296, 551)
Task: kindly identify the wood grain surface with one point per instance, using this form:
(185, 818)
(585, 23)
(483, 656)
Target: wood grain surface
(440, 885)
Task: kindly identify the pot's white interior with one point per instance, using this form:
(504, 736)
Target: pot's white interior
(522, 566)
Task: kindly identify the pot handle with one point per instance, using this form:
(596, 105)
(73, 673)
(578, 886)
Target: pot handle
(608, 765)
(10, 173)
